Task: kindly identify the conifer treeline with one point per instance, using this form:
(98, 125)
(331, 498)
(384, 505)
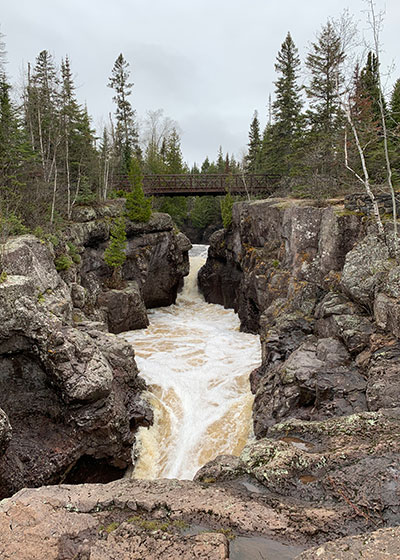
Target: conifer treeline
(51, 158)
(306, 146)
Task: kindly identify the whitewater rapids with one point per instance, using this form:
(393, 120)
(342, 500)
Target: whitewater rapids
(196, 363)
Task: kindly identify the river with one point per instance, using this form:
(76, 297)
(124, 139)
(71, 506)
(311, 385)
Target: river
(196, 363)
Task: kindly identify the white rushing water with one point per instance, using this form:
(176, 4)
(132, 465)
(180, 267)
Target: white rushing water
(197, 363)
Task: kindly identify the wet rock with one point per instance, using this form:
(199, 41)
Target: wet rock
(66, 392)
(331, 478)
(364, 264)
(129, 519)
(383, 371)
(383, 544)
(125, 309)
(316, 381)
(222, 467)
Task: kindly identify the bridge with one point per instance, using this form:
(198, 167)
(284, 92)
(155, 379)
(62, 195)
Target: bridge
(208, 184)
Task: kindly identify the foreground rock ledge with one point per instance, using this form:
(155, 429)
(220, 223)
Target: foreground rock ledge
(129, 519)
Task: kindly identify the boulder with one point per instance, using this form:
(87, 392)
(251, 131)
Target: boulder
(364, 265)
(125, 309)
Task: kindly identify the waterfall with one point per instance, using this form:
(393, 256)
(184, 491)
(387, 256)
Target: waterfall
(196, 363)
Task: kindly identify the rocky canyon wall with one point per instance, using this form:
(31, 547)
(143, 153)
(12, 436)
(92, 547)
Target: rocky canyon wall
(70, 393)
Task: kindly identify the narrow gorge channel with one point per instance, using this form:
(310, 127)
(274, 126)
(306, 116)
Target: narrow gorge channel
(196, 363)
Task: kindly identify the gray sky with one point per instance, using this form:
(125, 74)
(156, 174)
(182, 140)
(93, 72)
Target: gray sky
(207, 63)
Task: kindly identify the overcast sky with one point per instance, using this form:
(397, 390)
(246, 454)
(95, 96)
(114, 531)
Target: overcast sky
(208, 63)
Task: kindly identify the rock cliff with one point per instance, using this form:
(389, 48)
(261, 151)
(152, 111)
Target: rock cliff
(322, 290)
(69, 390)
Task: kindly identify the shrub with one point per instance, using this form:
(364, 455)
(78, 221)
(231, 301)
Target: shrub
(73, 252)
(114, 255)
(63, 262)
(226, 209)
(12, 225)
(138, 207)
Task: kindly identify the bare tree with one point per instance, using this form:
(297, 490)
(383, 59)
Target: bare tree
(375, 20)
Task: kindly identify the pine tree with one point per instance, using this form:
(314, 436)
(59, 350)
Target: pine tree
(126, 135)
(253, 157)
(115, 255)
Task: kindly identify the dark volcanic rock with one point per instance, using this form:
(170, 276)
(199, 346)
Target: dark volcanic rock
(156, 258)
(315, 382)
(271, 249)
(125, 309)
(332, 478)
(66, 392)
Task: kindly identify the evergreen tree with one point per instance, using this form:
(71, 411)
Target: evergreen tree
(325, 64)
(253, 157)
(205, 211)
(226, 204)
(368, 87)
(220, 161)
(115, 255)
(42, 112)
(394, 127)
(205, 166)
(325, 61)
(126, 135)
(173, 154)
(366, 114)
(286, 110)
(138, 207)
(395, 105)
(15, 154)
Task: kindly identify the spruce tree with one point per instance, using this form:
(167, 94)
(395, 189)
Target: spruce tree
(286, 108)
(138, 207)
(253, 157)
(115, 255)
(366, 114)
(368, 87)
(325, 61)
(395, 105)
(126, 135)
(173, 154)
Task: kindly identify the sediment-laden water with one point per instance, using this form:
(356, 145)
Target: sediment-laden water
(197, 364)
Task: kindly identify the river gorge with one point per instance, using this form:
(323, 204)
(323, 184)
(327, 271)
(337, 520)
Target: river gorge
(197, 364)
(96, 380)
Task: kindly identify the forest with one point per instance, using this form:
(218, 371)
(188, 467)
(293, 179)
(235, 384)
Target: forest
(323, 133)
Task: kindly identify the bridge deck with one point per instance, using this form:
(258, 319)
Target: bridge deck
(204, 184)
